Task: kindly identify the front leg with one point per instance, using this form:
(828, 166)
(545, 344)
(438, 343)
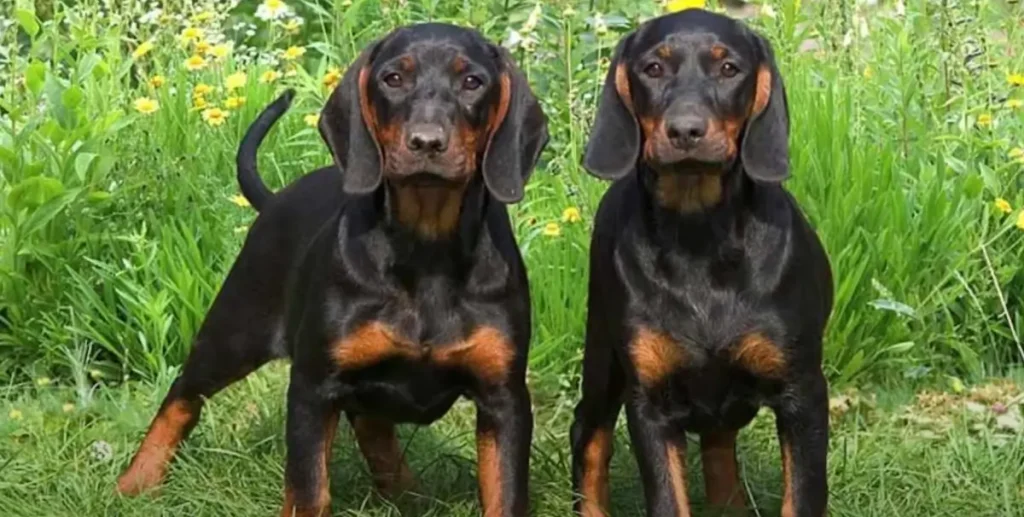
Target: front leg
(661, 456)
(312, 421)
(504, 428)
(802, 420)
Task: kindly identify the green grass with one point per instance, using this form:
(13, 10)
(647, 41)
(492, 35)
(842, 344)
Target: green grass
(233, 464)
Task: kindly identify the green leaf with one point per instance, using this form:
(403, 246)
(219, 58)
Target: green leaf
(33, 192)
(35, 76)
(973, 186)
(82, 163)
(72, 97)
(27, 19)
(98, 196)
(86, 66)
(47, 212)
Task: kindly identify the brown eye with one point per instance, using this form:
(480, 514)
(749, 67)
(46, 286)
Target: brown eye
(654, 70)
(729, 69)
(471, 82)
(393, 80)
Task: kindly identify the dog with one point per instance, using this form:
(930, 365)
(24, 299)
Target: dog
(392, 280)
(709, 290)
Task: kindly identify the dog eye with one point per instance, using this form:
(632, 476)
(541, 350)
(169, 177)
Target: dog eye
(654, 70)
(471, 82)
(729, 69)
(393, 80)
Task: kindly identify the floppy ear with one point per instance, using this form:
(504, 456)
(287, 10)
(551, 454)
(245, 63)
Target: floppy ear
(765, 146)
(347, 124)
(614, 144)
(519, 132)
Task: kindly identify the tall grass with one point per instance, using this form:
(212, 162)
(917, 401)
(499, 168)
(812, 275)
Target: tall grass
(116, 228)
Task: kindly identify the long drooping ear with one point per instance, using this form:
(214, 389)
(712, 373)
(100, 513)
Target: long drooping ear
(518, 134)
(347, 124)
(765, 146)
(614, 144)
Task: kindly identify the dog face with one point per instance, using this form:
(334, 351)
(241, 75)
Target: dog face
(434, 103)
(691, 90)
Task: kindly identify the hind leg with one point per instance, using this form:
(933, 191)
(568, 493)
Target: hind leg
(241, 332)
(384, 456)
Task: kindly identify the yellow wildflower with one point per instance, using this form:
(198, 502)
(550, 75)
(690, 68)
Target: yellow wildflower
(239, 200)
(202, 47)
(294, 52)
(1003, 205)
(202, 89)
(43, 381)
(146, 106)
(142, 49)
(15, 415)
(1020, 220)
(271, 9)
(157, 81)
(292, 26)
(1017, 154)
(232, 103)
(985, 119)
(191, 34)
(215, 116)
(1014, 103)
(868, 72)
(312, 119)
(571, 215)
(195, 62)
(331, 78)
(674, 6)
(67, 408)
(552, 230)
(1015, 79)
(270, 76)
(199, 102)
(292, 71)
(235, 81)
(220, 51)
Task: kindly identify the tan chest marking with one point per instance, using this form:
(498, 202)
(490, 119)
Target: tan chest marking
(760, 356)
(487, 353)
(655, 356)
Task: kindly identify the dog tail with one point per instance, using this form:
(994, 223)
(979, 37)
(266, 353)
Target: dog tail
(249, 179)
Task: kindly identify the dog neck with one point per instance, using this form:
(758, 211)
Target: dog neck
(433, 218)
(698, 207)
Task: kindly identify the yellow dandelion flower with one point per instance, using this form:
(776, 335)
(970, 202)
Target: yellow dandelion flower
(1015, 79)
(1020, 220)
(269, 76)
(235, 81)
(157, 81)
(985, 119)
(233, 103)
(1003, 205)
(191, 34)
(43, 381)
(1017, 154)
(215, 116)
(331, 78)
(202, 89)
(146, 106)
(67, 408)
(194, 63)
(312, 119)
(220, 51)
(202, 47)
(199, 102)
(674, 6)
(292, 26)
(15, 415)
(294, 52)
(1014, 103)
(552, 230)
(143, 49)
(571, 215)
(239, 200)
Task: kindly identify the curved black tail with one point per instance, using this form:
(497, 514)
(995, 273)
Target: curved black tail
(249, 179)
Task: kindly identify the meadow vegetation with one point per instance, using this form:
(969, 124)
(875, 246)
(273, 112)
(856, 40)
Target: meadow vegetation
(120, 215)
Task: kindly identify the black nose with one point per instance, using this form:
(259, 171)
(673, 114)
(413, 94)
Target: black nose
(427, 138)
(686, 130)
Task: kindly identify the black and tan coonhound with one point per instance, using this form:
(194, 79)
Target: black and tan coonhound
(709, 290)
(392, 280)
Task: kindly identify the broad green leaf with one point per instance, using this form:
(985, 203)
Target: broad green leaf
(27, 19)
(33, 192)
(35, 76)
(45, 213)
(82, 163)
(72, 97)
